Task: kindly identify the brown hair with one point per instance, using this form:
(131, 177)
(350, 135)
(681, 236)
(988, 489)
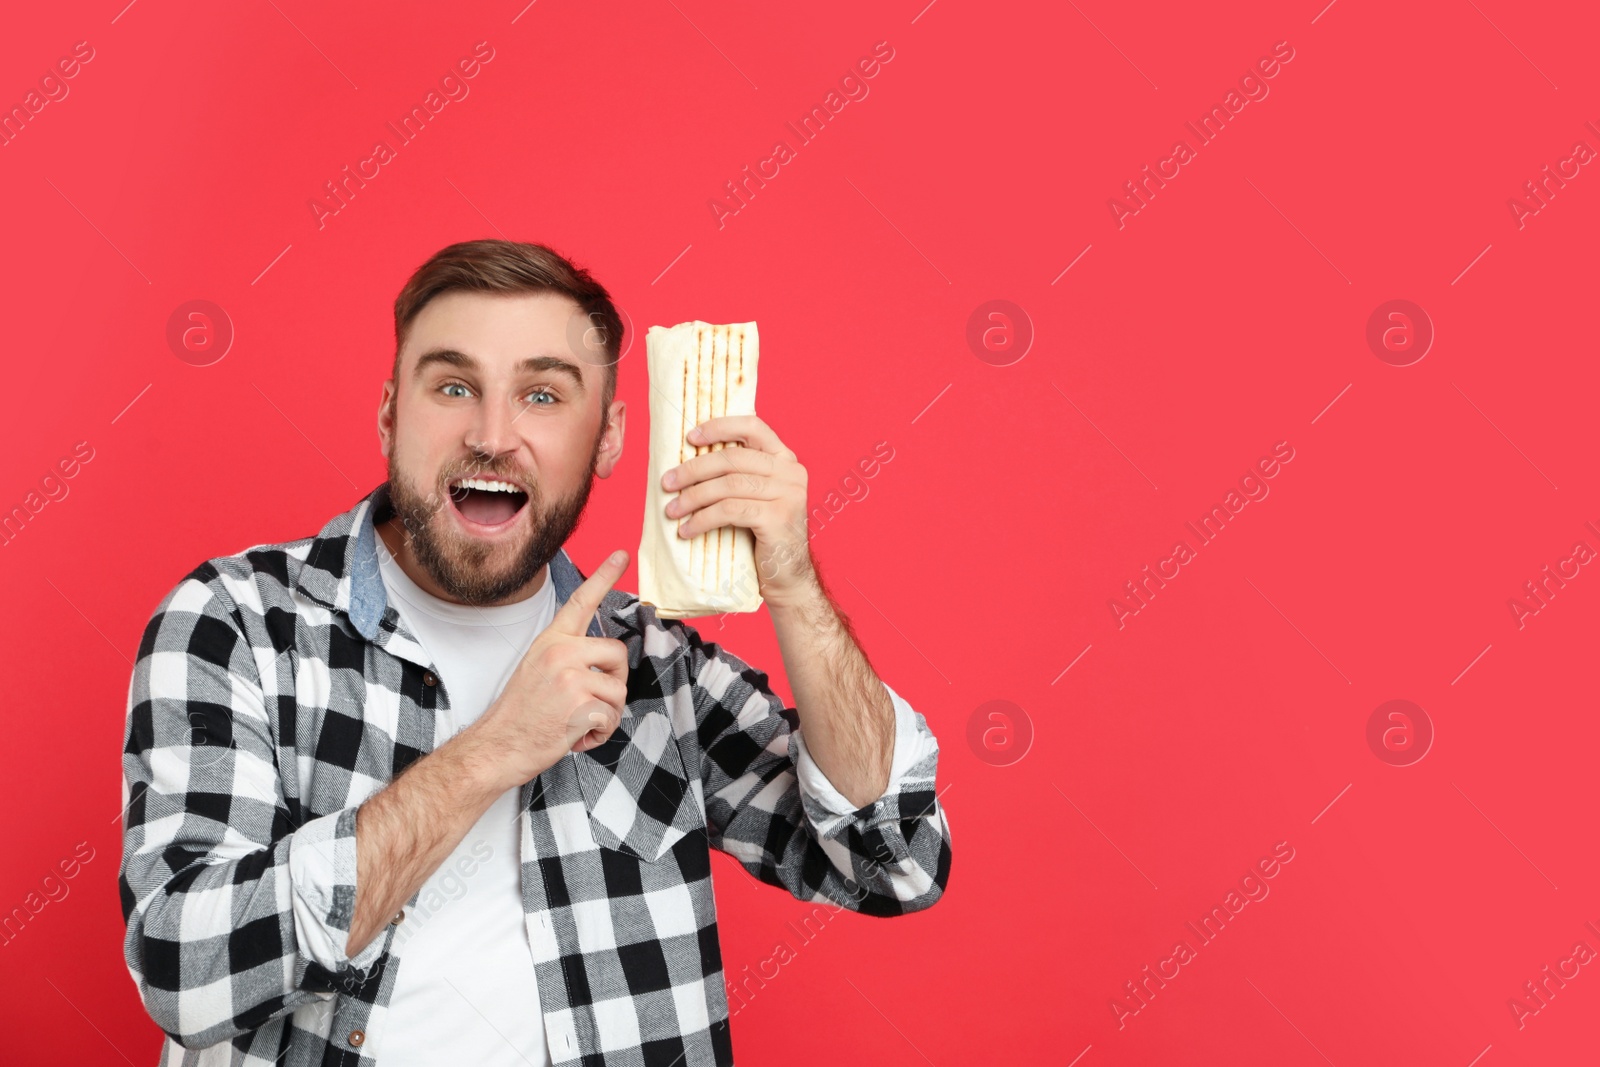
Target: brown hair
(494, 266)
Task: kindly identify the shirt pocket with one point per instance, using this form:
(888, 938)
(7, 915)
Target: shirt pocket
(636, 791)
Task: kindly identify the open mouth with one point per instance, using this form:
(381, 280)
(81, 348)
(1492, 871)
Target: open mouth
(487, 503)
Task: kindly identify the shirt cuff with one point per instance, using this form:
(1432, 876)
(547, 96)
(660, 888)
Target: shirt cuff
(322, 876)
(911, 745)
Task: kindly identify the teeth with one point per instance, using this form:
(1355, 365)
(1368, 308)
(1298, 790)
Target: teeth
(487, 485)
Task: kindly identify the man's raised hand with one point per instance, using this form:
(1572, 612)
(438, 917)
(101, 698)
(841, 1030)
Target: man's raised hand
(566, 694)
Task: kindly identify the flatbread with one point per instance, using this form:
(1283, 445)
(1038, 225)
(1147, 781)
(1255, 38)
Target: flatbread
(697, 371)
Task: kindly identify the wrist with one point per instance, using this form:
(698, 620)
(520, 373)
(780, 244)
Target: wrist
(479, 755)
(805, 600)
(788, 574)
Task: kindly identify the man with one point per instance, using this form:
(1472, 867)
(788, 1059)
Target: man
(416, 791)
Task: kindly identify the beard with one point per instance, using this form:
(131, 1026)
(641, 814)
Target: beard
(473, 571)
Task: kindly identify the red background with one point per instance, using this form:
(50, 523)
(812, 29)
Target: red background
(1223, 318)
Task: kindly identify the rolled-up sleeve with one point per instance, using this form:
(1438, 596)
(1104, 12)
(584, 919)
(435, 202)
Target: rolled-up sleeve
(322, 875)
(770, 807)
(826, 806)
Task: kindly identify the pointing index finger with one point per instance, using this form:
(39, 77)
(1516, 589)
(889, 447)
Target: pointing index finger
(574, 616)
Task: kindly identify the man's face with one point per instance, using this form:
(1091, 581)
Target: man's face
(492, 392)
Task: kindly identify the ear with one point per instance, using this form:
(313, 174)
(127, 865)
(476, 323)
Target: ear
(386, 418)
(611, 444)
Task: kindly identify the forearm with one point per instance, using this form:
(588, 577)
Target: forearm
(846, 714)
(405, 831)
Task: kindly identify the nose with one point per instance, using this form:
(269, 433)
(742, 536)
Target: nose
(493, 431)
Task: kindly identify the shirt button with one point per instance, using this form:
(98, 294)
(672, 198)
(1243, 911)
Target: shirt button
(398, 918)
(429, 678)
(358, 1037)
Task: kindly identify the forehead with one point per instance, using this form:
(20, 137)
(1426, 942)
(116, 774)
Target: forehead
(499, 329)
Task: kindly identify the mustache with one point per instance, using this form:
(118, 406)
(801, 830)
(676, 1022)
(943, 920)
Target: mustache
(515, 477)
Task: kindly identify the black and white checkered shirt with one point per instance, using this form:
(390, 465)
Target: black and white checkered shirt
(277, 689)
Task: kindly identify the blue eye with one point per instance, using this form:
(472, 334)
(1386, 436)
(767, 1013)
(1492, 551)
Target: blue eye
(453, 385)
(544, 393)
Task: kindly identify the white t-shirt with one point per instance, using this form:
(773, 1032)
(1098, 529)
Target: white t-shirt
(465, 992)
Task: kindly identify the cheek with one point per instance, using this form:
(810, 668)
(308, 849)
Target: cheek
(415, 467)
(559, 461)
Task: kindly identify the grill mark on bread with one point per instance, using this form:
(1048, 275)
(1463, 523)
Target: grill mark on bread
(732, 374)
(702, 399)
(727, 393)
(719, 369)
(686, 450)
(728, 382)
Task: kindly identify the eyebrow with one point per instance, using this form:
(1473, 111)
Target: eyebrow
(530, 365)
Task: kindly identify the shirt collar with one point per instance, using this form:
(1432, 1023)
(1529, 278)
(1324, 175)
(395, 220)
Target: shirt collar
(341, 568)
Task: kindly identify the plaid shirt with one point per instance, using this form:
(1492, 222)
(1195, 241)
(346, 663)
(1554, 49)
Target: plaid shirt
(277, 689)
